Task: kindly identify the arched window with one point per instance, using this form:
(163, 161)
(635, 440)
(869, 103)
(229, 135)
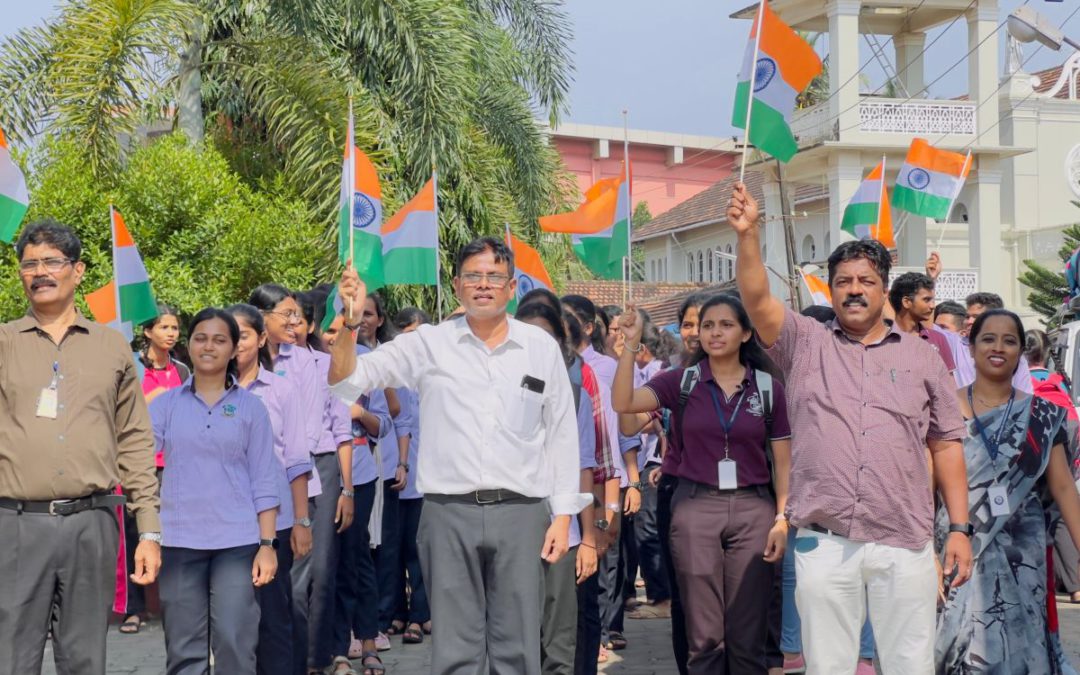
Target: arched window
(809, 248)
(712, 265)
(689, 266)
(700, 265)
(663, 269)
(729, 264)
(652, 270)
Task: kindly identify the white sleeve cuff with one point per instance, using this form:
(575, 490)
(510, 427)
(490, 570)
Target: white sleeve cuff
(569, 504)
(346, 390)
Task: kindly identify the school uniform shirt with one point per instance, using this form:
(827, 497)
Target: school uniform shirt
(337, 418)
(290, 444)
(650, 443)
(480, 427)
(703, 430)
(222, 471)
(298, 366)
(604, 367)
(364, 470)
(409, 419)
(170, 377)
(586, 452)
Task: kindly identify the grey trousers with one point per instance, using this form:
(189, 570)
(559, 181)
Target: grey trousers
(558, 632)
(483, 568)
(1066, 559)
(208, 602)
(314, 577)
(58, 573)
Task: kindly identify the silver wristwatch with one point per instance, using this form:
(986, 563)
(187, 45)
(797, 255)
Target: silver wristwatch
(303, 522)
(151, 536)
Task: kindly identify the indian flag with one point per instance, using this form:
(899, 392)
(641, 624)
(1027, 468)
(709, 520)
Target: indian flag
(600, 227)
(779, 64)
(930, 180)
(14, 197)
(410, 240)
(360, 213)
(818, 289)
(867, 215)
(334, 307)
(529, 270)
(126, 301)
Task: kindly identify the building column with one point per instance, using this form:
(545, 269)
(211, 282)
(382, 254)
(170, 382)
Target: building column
(909, 62)
(776, 258)
(843, 64)
(984, 230)
(911, 244)
(983, 67)
(845, 174)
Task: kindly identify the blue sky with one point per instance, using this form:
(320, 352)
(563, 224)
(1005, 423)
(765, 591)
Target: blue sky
(673, 65)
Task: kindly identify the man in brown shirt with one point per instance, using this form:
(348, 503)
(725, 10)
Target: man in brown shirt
(73, 424)
(865, 401)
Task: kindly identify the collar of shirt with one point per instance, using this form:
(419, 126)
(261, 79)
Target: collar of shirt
(30, 322)
(230, 391)
(894, 332)
(463, 331)
(707, 374)
(264, 378)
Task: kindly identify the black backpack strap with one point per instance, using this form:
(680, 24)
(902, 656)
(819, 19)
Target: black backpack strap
(764, 383)
(690, 379)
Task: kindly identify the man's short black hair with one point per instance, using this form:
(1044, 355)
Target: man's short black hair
(906, 286)
(987, 300)
(477, 246)
(952, 308)
(49, 232)
(870, 249)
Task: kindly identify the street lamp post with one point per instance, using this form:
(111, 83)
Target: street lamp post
(1027, 25)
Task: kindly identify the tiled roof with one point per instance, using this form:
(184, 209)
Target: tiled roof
(612, 292)
(1048, 78)
(709, 205)
(665, 311)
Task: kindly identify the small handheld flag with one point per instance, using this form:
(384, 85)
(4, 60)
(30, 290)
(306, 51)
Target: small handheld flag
(777, 65)
(600, 227)
(14, 197)
(410, 241)
(867, 215)
(930, 180)
(529, 270)
(360, 213)
(126, 301)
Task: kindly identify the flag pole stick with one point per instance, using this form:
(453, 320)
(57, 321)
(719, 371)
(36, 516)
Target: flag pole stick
(880, 201)
(629, 207)
(438, 240)
(352, 193)
(750, 89)
(952, 202)
(119, 324)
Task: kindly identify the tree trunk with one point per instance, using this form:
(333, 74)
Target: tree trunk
(189, 97)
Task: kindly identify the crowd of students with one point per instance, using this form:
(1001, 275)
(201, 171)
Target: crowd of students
(784, 484)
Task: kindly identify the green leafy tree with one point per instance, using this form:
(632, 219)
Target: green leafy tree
(1049, 290)
(206, 236)
(641, 216)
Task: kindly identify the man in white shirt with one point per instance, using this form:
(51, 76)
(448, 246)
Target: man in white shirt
(498, 447)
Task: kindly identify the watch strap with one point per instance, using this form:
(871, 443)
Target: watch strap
(963, 528)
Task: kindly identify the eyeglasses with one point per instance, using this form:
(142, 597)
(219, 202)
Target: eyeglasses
(288, 317)
(493, 280)
(51, 265)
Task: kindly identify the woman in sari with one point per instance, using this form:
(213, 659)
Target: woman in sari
(1015, 451)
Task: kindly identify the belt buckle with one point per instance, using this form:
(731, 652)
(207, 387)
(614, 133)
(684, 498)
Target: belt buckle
(62, 507)
(484, 502)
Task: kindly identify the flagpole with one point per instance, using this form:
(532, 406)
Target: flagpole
(116, 286)
(750, 89)
(880, 201)
(438, 260)
(952, 202)
(352, 194)
(629, 208)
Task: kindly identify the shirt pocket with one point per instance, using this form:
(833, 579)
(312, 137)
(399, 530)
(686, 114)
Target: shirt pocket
(899, 401)
(524, 410)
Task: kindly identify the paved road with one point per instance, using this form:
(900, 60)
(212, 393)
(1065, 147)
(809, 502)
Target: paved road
(649, 652)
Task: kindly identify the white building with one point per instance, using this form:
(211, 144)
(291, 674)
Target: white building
(1023, 132)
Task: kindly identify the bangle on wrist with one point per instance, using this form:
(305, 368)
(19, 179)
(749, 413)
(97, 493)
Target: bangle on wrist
(640, 348)
(347, 493)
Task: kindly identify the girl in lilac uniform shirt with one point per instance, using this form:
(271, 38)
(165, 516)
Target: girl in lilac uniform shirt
(219, 504)
(275, 652)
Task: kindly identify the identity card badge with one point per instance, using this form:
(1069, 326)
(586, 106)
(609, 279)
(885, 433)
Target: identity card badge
(47, 403)
(727, 478)
(999, 500)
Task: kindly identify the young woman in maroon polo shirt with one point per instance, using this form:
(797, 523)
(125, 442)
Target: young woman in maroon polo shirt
(728, 530)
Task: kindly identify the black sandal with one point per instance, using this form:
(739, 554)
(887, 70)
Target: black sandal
(372, 668)
(395, 627)
(616, 641)
(412, 635)
(132, 625)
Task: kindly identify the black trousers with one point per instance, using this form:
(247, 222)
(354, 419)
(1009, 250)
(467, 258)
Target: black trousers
(356, 605)
(665, 491)
(588, 627)
(274, 656)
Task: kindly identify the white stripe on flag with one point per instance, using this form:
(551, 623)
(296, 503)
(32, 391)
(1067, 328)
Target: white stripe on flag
(769, 88)
(931, 182)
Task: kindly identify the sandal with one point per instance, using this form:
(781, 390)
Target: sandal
(427, 627)
(616, 641)
(372, 668)
(131, 625)
(413, 635)
(396, 627)
(342, 661)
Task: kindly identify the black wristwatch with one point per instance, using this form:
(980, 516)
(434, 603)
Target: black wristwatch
(602, 524)
(272, 543)
(963, 528)
(404, 465)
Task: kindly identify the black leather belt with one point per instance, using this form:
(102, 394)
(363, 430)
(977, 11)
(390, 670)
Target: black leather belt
(485, 497)
(820, 529)
(63, 507)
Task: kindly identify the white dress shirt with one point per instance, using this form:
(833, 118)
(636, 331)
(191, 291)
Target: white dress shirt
(480, 429)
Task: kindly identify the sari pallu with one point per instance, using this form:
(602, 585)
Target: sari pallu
(997, 621)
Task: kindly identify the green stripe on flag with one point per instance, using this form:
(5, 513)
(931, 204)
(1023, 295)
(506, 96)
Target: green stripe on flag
(769, 130)
(409, 265)
(859, 214)
(11, 215)
(137, 303)
(920, 203)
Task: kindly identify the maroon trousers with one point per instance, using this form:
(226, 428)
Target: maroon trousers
(717, 544)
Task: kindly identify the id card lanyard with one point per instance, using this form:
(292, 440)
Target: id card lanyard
(998, 494)
(726, 471)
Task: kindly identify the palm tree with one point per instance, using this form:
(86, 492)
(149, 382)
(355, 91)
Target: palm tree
(449, 83)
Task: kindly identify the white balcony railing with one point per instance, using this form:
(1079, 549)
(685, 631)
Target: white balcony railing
(954, 284)
(888, 116)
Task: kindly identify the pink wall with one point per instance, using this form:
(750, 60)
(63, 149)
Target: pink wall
(654, 182)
